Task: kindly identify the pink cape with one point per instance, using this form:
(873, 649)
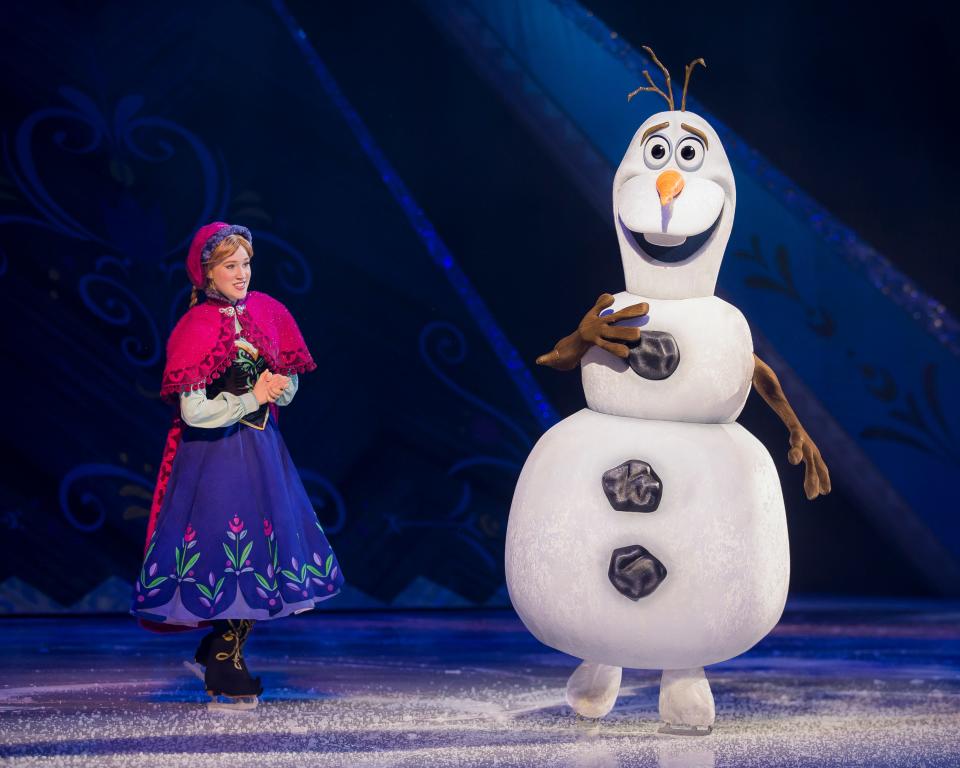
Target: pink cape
(201, 347)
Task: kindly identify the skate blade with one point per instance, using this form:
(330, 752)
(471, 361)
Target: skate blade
(232, 703)
(685, 730)
(195, 669)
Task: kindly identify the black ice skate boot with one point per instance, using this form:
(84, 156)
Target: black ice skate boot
(226, 674)
(202, 653)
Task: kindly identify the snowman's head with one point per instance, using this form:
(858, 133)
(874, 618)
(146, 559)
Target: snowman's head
(673, 204)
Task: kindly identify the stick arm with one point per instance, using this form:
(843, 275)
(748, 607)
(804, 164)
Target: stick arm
(816, 481)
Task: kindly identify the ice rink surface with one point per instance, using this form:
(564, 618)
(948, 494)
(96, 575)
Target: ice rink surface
(838, 683)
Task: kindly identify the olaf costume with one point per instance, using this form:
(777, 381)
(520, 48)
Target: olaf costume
(648, 529)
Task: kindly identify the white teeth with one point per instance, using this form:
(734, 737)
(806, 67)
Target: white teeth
(656, 238)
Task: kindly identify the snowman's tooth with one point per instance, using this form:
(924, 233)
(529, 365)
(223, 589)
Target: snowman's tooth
(668, 241)
(634, 572)
(633, 487)
(656, 357)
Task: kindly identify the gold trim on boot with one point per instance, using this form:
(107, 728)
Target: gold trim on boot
(237, 634)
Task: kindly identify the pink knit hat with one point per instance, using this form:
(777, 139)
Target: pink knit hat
(205, 242)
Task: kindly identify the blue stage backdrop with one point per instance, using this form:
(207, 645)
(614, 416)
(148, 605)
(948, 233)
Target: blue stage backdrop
(125, 131)
(868, 359)
(125, 128)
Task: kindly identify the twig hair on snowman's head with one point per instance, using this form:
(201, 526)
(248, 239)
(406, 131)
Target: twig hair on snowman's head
(668, 94)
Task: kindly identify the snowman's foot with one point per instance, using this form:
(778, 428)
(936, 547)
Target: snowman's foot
(592, 689)
(686, 703)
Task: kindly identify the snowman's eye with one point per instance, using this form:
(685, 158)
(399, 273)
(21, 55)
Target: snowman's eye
(656, 152)
(690, 154)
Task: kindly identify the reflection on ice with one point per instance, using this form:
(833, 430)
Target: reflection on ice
(587, 755)
(675, 756)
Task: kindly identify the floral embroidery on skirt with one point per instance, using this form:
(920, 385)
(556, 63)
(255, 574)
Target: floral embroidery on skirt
(237, 536)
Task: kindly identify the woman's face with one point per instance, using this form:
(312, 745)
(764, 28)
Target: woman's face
(232, 275)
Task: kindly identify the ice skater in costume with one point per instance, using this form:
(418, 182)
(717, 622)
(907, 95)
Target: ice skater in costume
(648, 530)
(233, 538)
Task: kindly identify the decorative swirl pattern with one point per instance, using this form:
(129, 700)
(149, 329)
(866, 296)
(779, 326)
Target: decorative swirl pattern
(110, 292)
(123, 136)
(465, 524)
(324, 495)
(85, 114)
(180, 302)
(86, 509)
(114, 306)
(294, 273)
(442, 342)
(211, 202)
(447, 342)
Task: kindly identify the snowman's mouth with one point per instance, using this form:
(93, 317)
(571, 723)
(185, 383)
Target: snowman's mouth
(658, 246)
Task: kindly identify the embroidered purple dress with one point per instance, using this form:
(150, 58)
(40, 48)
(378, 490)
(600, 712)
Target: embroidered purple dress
(236, 536)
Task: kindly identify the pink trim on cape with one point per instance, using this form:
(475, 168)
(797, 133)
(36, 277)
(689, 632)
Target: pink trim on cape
(201, 345)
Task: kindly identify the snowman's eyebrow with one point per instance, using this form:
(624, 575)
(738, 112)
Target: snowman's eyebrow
(652, 129)
(696, 132)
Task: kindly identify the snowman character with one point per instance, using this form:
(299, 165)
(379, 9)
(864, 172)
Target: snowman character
(648, 529)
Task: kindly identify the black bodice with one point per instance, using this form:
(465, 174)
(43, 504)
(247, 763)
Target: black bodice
(239, 379)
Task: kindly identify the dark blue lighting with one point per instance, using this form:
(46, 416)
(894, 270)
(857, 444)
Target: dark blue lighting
(519, 373)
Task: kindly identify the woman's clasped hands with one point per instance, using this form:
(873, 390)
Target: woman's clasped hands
(270, 386)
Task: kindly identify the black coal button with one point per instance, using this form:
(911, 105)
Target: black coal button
(634, 572)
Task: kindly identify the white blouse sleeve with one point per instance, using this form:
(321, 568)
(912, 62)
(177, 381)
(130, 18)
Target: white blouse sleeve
(221, 411)
(287, 395)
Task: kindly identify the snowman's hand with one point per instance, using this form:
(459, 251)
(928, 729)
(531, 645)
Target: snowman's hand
(627, 313)
(604, 301)
(594, 327)
(565, 356)
(610, 332)
(619, 333)
(816, 477)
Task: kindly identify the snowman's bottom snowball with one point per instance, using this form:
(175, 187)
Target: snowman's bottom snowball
(720, 531)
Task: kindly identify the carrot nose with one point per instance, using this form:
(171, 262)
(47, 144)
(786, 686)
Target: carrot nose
(669, 186)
